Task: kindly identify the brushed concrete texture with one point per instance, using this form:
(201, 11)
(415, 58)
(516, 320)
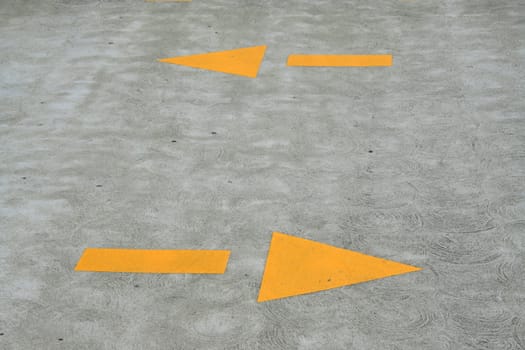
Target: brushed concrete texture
(422, 162)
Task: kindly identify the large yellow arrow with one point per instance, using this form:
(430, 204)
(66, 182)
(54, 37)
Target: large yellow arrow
(299, 266)
(244, 61)
(294, 265)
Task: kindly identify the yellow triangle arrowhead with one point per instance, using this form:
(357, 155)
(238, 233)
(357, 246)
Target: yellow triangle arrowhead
(299, 266)
(245, 61)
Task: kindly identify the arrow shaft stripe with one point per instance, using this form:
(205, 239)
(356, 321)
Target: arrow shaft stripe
(153, 261)
(340, 60)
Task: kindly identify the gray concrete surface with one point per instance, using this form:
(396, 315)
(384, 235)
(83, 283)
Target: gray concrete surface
(422, 163)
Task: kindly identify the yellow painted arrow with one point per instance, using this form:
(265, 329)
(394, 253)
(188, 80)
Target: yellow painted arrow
(153, 261)
(299, 266)
(244, 61)
(294, 265)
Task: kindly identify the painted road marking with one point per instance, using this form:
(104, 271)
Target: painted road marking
(167, 0)
(244, 61)
(298, 266)
(153, 261)
(340, 60)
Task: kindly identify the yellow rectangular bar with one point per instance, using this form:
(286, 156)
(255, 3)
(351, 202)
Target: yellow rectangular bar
(340, 60)
(153, 261)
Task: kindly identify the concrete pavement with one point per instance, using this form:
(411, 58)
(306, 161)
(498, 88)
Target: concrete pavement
(422, 162)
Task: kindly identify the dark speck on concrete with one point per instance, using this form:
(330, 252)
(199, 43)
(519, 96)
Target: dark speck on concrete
(60, 339)
(1, 334)
(136, 286)
(23, 177)
(213, 133)
(99, 185)
(370, 151)
(173, 141)
(110, 43)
